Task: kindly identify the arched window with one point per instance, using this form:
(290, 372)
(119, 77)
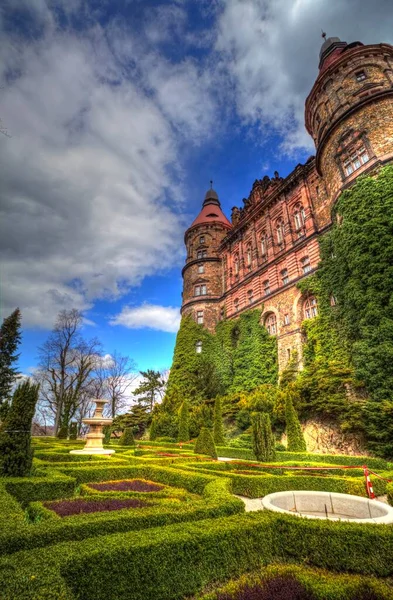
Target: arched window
(236, 263)
(284, 276)
(201, 239)
(263, 244)
(250, 296)
(280, 232)
(198, 347)
(271, 324)
(299, 217)
(249, 255)
(236, 304)
(310, 307)
(333, 300)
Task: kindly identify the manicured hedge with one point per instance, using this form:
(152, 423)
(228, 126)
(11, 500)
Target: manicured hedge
(389, 491)
(50, 487)
(169, 563)
(333, 459)
(324, 585)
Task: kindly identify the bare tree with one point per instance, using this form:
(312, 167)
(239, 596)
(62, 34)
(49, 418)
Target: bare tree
(66, 368)
(115, 376)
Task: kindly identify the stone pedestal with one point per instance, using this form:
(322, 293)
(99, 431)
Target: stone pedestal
(95, 436)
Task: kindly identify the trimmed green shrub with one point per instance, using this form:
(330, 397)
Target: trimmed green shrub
(262, 438)
(184, 417)
(16, 454)
(218, 427)
(205, 443)
(127, 437)
(107, 433)
(295, 439)
(153, 430)
(389, 491)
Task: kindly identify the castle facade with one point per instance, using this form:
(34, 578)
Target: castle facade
(271, 243)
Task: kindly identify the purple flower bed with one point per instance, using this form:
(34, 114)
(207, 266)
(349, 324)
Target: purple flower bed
(282, 587)
(127, 485)
(66, 508)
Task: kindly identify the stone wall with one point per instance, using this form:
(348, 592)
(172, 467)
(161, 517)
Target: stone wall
(325, 437)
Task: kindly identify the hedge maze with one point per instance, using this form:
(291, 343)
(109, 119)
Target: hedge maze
(162, 523)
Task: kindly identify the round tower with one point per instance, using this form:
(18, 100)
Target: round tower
(202, 273)
(349, 111)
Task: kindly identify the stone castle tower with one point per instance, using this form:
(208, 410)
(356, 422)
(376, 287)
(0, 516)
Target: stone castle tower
(256, 260)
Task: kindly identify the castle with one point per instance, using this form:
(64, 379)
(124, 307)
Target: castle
(271, 243)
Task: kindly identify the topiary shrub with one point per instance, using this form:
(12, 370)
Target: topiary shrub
(73, 430)
(16, 454)
(262, 438)
(153, 430)
(184, 417)
(107, 433)
(295, 439)
(218, 427)
(205, 443)
(127, 437)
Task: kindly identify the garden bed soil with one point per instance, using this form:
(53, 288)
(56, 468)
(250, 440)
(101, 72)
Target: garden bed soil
(66, 508)
(127, 485)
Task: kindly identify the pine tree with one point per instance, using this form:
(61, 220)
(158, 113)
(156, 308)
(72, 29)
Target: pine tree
(205, 444)
(16, 454)
(184, 417)
(127, 437)
(295, 439)
(262, 438)
(218, 428)
(10, 338)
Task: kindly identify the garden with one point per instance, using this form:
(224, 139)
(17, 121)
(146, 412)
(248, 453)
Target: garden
(159, 521)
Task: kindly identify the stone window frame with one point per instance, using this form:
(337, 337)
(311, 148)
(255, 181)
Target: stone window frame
(287, 319)
(266, 287)
(201, 239)
(201, 254)
(249, 255)
(284, 276)
(264, 244)
(198, 347)
(351, 143)
(270, 322)
(360, 76)
(299, 218)
(333, 300)
(236, 264)
(236, 304)
(310, 307)
(200, 290)
(280, 231)
(201, 268)
(250, 296)
(199, 318)
(305, 264)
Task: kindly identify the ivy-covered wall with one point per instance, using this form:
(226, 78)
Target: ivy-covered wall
(348, 355)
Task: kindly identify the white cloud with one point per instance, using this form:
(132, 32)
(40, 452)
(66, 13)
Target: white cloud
(151, 316)
(92, 173)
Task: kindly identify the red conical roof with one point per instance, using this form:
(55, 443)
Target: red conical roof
(211, 211)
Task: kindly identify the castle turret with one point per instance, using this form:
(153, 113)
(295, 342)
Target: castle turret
(350, 110)
(202, 273)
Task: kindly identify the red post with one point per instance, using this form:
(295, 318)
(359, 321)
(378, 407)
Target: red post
(369, 485)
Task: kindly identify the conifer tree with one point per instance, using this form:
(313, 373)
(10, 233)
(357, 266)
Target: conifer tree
(10, 338)
(262, 438)
(107, 433)
(218, 427)
(16, 454)
(184, 418)
(205, 443)
(127, 437)
(153, 430)
(73, 430)
(295, 439)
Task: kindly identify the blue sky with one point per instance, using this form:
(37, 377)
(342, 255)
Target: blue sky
(119, 113)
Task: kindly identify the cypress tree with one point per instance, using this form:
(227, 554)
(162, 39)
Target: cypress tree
(10, 338)
(107, 434)
(295, 439)
(127, 437)
(184, 418)
(74, 430)
(205, 443)
(218, 428)
(16, 454)
(153, 430)
(262, 438)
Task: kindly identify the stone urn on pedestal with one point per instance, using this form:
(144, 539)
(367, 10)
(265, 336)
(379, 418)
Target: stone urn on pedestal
(95, 436)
